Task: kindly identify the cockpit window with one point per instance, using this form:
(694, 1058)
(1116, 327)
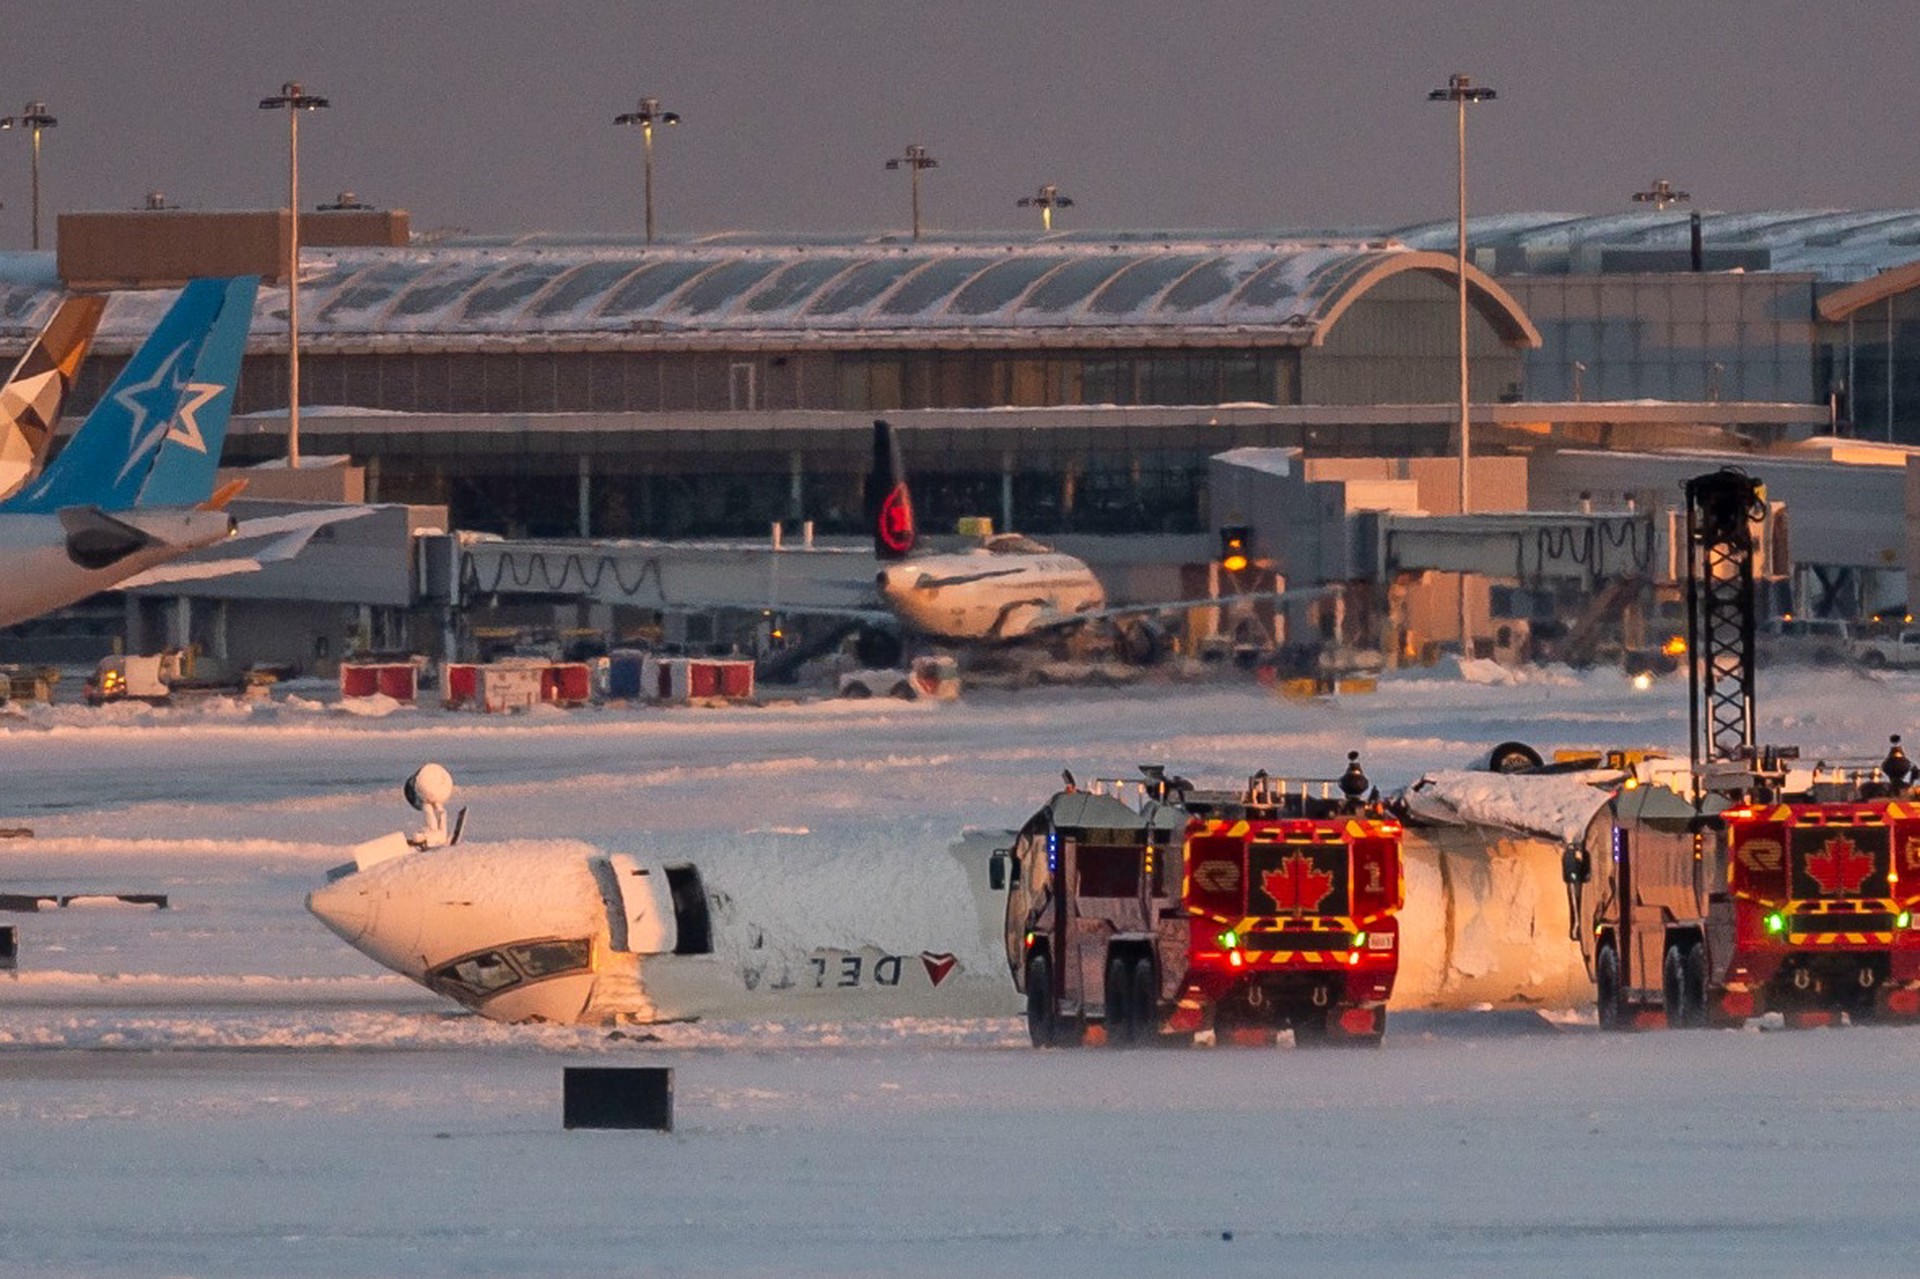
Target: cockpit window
(479, 976)
(1013, 544)
(548, 958)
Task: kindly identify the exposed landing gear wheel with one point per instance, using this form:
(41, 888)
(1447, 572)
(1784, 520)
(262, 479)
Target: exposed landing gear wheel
(1513, 757)
(1043, 1016)
(1606, 988)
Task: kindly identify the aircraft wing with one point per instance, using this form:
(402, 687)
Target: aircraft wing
(1115, 612)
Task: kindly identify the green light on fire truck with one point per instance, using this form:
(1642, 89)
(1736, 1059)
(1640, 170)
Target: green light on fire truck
(1776, 923)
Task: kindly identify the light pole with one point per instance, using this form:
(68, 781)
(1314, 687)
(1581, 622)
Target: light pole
(648, 115)
(1047, 200)
(293, 100)
(1461, 90)
(913, 161)
(35, 117)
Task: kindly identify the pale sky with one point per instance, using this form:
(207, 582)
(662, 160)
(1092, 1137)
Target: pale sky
(498, 116)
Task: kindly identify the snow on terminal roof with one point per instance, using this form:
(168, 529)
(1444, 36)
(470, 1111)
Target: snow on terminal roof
(597, 290)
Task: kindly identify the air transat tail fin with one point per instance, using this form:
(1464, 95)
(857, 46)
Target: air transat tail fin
(183, 471)
(157, 395)
(32, 398)
(889, 505)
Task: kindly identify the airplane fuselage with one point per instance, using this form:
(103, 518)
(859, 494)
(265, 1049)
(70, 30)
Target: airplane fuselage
(39, 570)
(561, 931)
(984, 595)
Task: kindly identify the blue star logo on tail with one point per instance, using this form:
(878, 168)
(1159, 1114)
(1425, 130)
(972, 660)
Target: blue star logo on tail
(185, 428)
(169, 402)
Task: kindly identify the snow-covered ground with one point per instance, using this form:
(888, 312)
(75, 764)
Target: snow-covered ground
(224, 1088)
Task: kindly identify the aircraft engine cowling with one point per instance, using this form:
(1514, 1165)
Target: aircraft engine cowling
(640, 916)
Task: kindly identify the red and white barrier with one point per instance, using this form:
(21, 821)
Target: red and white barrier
(688, 679)
(398, 680)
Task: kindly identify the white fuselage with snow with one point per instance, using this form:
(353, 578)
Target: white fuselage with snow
(1003, 591)
(564, 932)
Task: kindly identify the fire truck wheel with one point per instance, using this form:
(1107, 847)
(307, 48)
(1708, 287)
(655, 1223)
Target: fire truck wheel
(1606, 988)
(1693, 984)
(1043, 1018)
(1120, 1027)
(1143, 1004)
(1672, 998)
(1683, 985)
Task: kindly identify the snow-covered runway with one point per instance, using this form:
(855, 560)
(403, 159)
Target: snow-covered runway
(224, 1088)
(1456, 1150)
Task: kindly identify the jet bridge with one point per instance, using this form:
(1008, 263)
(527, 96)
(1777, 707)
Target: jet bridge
(461, 569)
(1525, 546)
(1612, 556)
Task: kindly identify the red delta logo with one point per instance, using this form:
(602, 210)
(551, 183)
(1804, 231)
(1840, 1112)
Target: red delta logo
(1297, 885)
(938, 965)
(1839, 867)
(896, 520)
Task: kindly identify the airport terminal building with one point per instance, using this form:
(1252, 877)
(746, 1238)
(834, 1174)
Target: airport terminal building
(1073, 384)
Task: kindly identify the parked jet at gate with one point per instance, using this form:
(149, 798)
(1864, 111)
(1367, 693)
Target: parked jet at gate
(1010, 587)
(126, 493)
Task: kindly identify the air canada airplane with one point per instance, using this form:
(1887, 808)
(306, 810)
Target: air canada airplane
(130, 490)
(34, 394)
(557, 930)
(1008, 588)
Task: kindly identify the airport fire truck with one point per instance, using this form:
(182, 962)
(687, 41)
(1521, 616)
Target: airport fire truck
(1772, 887)
(1148, 909)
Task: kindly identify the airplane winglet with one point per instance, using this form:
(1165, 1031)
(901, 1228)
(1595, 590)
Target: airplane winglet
(224, 494)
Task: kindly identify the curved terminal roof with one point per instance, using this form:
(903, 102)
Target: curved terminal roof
(1274, 287)
(726, 291)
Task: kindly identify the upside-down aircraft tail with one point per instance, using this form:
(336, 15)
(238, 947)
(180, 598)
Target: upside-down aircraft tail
(33, 396)
(889, 505)
(174, 395)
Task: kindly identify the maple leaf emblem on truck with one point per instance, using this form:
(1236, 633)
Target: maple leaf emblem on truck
(1839, 867)
(1297, 885)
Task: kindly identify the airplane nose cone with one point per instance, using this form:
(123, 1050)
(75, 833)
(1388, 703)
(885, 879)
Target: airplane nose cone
(345, 907)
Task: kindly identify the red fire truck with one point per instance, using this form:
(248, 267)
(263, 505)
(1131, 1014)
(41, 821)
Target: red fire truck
(1797, 897)
(1151, 909)
(1771, 887)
